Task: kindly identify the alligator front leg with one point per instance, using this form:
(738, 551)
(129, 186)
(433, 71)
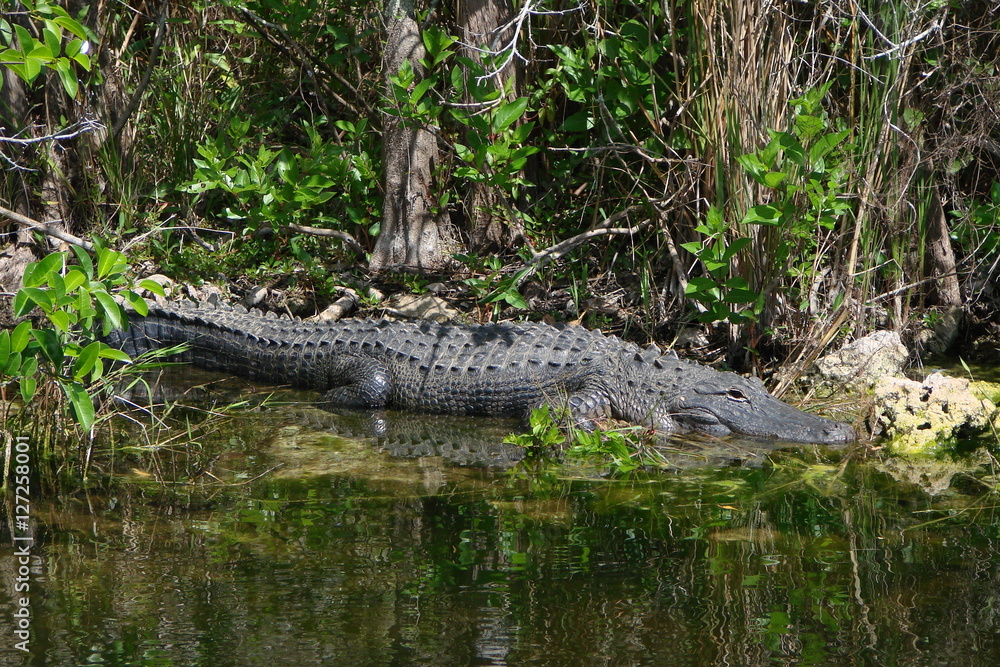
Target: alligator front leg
(359, 382)
(582, 405)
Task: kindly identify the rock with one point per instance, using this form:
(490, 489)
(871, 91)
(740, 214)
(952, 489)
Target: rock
(865, 361)
(422, 307)
(254, 296)
(942, 335)
(917, 417)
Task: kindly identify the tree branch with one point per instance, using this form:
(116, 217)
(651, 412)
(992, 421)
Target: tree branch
(29, 223)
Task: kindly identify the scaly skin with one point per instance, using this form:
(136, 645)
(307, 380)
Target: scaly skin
(495, 369)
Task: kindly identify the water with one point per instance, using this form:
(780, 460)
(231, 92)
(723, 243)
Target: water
(284, 544)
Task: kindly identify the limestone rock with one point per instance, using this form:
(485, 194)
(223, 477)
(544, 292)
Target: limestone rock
(917, 417)
(865, 361)
(422, 307)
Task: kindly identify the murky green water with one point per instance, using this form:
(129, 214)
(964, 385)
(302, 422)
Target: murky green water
(294, 546)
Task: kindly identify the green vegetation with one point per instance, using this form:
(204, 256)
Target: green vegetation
(65, 358)
(780, 179)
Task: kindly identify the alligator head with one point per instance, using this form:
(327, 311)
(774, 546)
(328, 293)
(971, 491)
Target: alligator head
(726, 403)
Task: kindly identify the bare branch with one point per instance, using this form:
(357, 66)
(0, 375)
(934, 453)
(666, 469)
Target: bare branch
(43, 227)
(76, 129)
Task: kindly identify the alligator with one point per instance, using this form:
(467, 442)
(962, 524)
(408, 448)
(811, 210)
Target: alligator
(504, 369)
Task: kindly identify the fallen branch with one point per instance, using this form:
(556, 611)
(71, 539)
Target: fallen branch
(43, 227)
(335, 233)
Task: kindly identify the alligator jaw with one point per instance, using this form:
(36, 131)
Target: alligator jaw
(737, 406)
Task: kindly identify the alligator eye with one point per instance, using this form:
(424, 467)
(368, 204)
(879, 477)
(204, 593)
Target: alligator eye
(736, 395)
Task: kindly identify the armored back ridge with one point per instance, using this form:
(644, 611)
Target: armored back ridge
(493, 369)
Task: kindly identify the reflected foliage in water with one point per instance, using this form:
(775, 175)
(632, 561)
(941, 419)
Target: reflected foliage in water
(343, 554)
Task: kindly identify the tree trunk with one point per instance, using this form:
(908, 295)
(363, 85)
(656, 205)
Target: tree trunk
(479, 22)
(942, 256)
(412, 237)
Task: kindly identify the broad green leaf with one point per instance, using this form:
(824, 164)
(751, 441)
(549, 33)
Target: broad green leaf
(4, 348)
(13, 366)
(764, 214)
(152, 286)
(86, 360)
(112, 311)
(50, 346)
(137, 302)
(420, 89)
(27, 387)
(288, 167)
(809, 126)
(69, 25)
(40, 53)
(83, 60)
(19, 336)
(61, 319)
(581, 121)
(74, 278)
(109, 261)
(113, 354)
(52, 37)
(825, 144)
(86, 263)
(82, 404)
(37, 273)
(506, 114)
(773, 179)
(28, 297)
(24, 39)
(735, 246)
(29, 367)
(67, 76)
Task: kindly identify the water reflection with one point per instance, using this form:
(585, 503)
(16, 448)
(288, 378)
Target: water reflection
(345, 555)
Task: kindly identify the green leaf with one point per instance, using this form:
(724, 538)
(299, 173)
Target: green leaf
(82, 404)
(809, 126)
(693, 247)
(86, 360)
(74, 278)
(4, 349)
(113, 313)
(37, 273)
(288, 166)
(506, 114)
(773, 179)
(764, 214)
(51, 38)
(68, 77)
(113, 354)
(20, 336)
(734, 247)
(110, 261)
(28, 297)
(137, 302)
(13, 366)
(581, 121)
(69, 25)
(27, 387)
(753, 166)
(419, 90)
(825, 144)
(61, 319)
(50, 346)
(152, 286)
(86, 263)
